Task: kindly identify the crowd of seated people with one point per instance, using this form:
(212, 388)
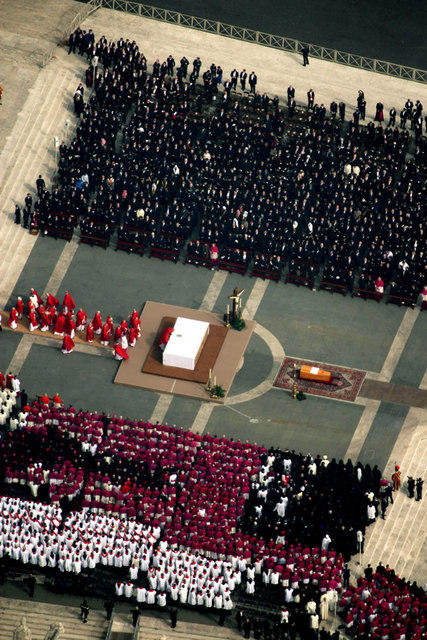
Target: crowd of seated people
(267, 519)
(336, 199)
(382, 605)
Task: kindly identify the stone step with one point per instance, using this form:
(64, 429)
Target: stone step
(39, 616)
(36, 144)
(379, 534)
(36, 95)
(24, 153)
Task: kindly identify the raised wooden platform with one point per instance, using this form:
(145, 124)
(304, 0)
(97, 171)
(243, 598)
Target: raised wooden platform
(224, 364)
(205, 361)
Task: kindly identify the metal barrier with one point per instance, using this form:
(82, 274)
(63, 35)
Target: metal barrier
(81, 15)
(265, 39)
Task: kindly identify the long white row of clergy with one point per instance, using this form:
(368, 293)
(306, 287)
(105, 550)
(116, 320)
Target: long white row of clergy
(8, 400)
(31, 532)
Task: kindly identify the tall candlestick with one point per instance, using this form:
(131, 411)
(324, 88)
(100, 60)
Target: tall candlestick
(228, 309)
(214, 382)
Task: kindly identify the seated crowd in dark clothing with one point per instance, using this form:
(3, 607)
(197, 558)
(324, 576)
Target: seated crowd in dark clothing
(165, 159)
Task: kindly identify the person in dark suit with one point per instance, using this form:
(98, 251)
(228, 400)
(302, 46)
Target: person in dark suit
(291, 94)
(341, 108)
(243, 76)
(252, 81)
(305, 51)
(310, 98)
(173, 616)
(392, 120)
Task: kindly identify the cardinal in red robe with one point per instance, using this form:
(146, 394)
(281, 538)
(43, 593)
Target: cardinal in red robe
(105, 334)
(53, 314)
(97, 322)
(59, 325)
(81, 320)
(1, 380)
(44, 319)
(70, 325)
(67, 345)
(120, 353)
(135, 322)
(30, 306)
(34, 324)
(110, 323)
(68, 303)
(9, 378)
(13, 318)
(124, 325)
(89, 332)
(20, 307)
(379, 287)
(165, 338)
(117, 333)
(51, 301)
(133, 337)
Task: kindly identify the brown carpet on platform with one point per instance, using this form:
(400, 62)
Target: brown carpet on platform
(400, 394)
(207, 358)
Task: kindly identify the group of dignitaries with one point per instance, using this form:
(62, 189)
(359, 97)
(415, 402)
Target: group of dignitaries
(66, 323)
(179, 517)
(342, 201)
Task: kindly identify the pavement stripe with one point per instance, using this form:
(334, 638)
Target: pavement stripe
(399, 343)
(362, 429)
(255, 297)
(21, 353)
(61, 268)
(202, 417)
(161, 408)
(213, 291)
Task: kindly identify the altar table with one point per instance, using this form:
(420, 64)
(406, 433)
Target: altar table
(186, 343)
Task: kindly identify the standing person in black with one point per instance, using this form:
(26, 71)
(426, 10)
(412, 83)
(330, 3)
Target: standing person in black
(341, 108)
(17, 215)
(239, 619)
(392, 120)
(26, 216)
(291, 94)
(108, 606)
(252, 81)
(135, 616)
(247, 627)
(333, 108)
(411, 486)
(419, 488)
(24, 398)
(173, 616)
(310, 98)
(31, 584)
(362, 109)
(84, 611)
(40, 184)
(305, 51)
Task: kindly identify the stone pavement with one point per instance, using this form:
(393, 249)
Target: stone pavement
(386, 341)
(276, 70)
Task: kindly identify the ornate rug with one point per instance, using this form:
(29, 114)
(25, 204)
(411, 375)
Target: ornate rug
(347, 382)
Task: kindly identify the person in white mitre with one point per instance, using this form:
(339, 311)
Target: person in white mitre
(325, 542)
(161, 599)
(124, 342)
(133, 570)
(151, 596)
(310, 607)
(141, 594)
(250, 587)
(120, 589)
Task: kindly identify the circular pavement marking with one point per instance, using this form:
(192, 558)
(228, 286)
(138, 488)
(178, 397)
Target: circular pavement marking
(278, 354)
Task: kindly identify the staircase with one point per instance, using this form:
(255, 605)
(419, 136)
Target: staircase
(158, 626)
(39, 616)
(28, 152)
(399, 539)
